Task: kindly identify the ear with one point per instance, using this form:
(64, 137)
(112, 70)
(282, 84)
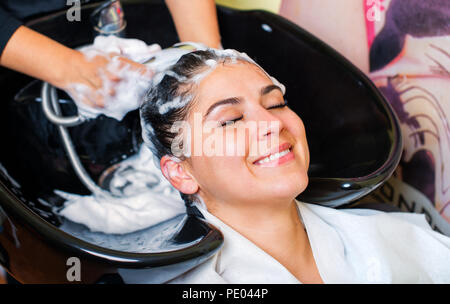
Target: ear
(174, 171)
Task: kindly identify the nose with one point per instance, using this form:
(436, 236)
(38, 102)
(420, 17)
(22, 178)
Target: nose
(268, 124)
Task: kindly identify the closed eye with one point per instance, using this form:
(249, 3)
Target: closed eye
(281, 105)
(230, 121)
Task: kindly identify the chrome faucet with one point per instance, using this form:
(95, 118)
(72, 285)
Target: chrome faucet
(108, 19)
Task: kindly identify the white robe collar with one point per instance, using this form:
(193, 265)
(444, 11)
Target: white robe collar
(349, 246)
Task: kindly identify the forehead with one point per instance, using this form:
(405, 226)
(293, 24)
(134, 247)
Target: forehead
(231, 80)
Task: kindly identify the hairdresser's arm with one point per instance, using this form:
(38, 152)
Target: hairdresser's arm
(196, 21)
(38, 56)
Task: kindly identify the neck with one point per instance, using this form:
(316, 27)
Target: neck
(275, 227)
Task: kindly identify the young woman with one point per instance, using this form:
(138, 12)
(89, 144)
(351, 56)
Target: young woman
(241, 156)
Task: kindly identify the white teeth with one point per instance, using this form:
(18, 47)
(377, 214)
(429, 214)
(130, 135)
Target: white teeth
(273, 156)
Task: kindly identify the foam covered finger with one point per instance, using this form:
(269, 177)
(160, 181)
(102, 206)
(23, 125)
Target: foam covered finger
(113, 77)
(79, 93)
(98, 99)
(91, 97)
(135, 66)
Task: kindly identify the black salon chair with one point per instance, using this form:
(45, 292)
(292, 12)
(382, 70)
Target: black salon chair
(353, 135)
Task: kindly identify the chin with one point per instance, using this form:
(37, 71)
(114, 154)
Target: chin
(289, 186)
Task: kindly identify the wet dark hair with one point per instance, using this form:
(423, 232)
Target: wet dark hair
(177, 82)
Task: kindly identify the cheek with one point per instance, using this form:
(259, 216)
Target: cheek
(295, 126)
(219, 175)
(222, 157)
(230, 142)
(236, 142)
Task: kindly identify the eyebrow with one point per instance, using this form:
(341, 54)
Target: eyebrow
(267, 89)
(232, 100)
(236, 100)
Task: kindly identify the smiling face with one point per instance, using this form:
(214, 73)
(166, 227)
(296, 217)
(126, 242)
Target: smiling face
(244, 109)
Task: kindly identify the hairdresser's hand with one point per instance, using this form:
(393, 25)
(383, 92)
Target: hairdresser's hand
(92, 80)
(38, 56)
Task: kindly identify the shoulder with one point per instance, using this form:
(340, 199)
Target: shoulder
(402, 246)
(368, 216)
(364, 221)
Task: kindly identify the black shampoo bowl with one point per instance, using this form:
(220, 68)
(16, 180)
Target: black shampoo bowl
(353, 136)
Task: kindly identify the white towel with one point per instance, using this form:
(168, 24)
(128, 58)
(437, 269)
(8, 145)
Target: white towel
(139, 208)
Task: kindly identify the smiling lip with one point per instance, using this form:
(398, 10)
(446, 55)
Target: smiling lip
(279, 160)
